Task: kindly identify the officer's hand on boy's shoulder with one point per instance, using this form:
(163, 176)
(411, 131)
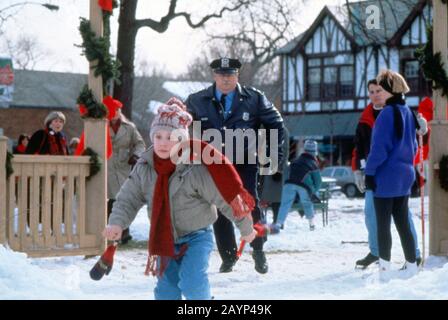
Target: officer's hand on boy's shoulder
(112, 232)
(250, 237)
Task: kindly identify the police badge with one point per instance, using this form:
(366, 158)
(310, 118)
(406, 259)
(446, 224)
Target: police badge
(246, 116)
(224, 63)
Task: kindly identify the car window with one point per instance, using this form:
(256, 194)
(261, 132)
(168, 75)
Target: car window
(339, 173)
(327, 172)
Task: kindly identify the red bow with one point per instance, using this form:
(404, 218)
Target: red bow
(106, 5)
(112, 106)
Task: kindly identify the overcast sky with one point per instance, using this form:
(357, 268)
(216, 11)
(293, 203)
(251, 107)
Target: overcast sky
(56, 32)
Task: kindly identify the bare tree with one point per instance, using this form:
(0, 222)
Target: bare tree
(254, 35)
(127, 32)
(25, 51)
(9, 11)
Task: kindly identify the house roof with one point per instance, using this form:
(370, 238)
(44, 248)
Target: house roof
(44, 89)
(393, 17)
(336, 124)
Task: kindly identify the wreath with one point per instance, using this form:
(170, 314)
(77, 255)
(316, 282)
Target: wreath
(96, 49)
(432, 64)
(95, 162)
(8, 164)
(89, 107)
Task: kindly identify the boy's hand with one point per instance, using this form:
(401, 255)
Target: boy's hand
(112, 232)
(250, 237)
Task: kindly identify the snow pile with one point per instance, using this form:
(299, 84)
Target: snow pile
(302, 265)
(20, 278)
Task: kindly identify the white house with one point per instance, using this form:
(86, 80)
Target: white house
(325, 69)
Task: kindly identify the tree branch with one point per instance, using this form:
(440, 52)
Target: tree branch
(162, 25)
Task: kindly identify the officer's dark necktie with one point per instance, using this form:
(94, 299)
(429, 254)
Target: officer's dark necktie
(223, 104)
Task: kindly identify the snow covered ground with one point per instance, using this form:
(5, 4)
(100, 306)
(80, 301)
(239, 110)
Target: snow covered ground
(302, 265)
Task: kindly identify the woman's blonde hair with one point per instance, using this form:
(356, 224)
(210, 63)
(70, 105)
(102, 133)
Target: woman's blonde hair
(392, 82)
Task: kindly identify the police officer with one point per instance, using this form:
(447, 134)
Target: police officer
(226, 105)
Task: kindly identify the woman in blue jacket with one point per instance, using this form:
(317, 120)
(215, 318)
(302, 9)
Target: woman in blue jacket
(390, 172)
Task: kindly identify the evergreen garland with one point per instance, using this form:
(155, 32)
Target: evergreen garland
(443, 173)
(95, 162)
(9, 169)
(97, 49)
(92, 109)
(432, 64)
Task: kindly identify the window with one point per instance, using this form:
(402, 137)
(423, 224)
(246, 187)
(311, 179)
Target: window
(313, 83)
(413, 76)
(330, 82)
(339, 173)
(330, 78)
(346, 88)
(327, 172)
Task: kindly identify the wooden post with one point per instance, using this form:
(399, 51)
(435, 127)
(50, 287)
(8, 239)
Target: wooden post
(3, 150)
(438, 204)
(95, 138)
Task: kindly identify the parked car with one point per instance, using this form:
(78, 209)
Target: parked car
(344, 178)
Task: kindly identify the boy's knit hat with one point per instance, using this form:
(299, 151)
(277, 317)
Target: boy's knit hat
(310, 147)
(172, 116)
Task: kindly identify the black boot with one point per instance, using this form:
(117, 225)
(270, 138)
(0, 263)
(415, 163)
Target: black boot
(227, 265)
(261, 265)
(366, 261)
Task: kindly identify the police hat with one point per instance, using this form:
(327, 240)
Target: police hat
(225, 65)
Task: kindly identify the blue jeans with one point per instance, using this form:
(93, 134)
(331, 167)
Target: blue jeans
(372, 230)
(289, 194)
(187, 275)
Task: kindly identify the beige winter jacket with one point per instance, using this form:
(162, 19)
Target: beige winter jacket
(194, 198)
(126, 143)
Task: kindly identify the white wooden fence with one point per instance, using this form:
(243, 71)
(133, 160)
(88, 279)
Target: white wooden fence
(43, 206)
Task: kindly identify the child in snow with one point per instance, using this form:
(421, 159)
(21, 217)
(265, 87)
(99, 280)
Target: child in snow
(305, 180)
(181, 200)
(390, 171)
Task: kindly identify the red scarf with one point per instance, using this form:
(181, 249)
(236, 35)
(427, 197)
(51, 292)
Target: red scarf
(227, 181)
(21, 149)
(57, 144)
(368, 116)
(161, 242)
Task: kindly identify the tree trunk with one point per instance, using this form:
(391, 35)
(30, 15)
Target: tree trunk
(127, 33)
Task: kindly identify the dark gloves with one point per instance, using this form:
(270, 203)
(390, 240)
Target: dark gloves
(133, 160)
(370, 183)
(277, 176)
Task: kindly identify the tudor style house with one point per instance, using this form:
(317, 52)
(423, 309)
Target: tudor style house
(325, 69)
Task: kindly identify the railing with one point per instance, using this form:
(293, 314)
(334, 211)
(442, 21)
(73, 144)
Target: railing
(43, 206)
